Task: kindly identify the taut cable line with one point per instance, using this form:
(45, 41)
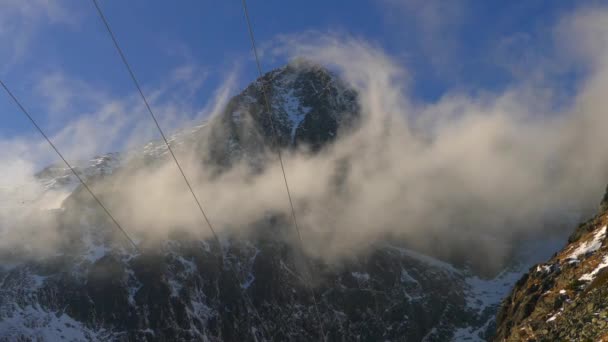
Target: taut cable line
(278, 148)
(149, 109)
(27, 114)
(170, 149)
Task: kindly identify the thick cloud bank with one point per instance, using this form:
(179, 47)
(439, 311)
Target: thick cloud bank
(466, 174)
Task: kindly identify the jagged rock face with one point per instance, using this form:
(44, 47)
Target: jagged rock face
(183, 289)
(59, 176)
(566, 298)
(182, 292)
(309, 105)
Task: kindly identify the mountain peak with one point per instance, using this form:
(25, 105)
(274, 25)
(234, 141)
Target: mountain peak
(308, 103)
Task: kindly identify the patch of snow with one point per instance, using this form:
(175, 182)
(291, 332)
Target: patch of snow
(133, 286)
(406, 277)
(412, 298)
(591, 275)
(199, 308)
(148, 331)
(250, 262)
(360, 276)
(175, 286)
(543, 268)
(189, 266)
(37, 324)
(37, 281)
(589, 246)
(553, 318)
(96, 252)
(295, 111)
(484, 293)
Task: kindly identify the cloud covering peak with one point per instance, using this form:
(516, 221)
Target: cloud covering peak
(463, 176)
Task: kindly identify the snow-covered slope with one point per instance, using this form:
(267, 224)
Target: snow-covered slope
(60, 177)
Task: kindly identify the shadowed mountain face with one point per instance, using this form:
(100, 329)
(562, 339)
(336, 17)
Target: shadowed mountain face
(181, 289)
(309, 106)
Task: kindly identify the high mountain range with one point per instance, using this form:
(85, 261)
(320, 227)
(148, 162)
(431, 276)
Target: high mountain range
(97, 288)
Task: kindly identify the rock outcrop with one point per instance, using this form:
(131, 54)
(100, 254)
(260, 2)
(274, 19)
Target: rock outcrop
(566, 298)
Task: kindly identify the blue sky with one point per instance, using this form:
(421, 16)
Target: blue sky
(58, 58)
(510, 94)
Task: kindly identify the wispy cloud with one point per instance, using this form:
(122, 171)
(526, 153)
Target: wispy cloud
(21, 21)
(85, 119)
(88, 120)
(465, 175)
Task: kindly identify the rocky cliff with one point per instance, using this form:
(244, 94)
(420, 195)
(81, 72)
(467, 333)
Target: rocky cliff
(566, 298)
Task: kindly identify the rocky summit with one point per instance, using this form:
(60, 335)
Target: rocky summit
(309, 106)
(97, 288)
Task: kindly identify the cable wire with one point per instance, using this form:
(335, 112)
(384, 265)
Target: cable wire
(275, 142)
(143, 97)
(149, 109)
(24, 111)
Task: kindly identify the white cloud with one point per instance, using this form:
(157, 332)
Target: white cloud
(100, 122)
(448, 176)
(584, 35)
(86, 118)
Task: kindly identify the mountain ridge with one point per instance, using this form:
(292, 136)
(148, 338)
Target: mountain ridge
(564, 298)
(96, 289)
